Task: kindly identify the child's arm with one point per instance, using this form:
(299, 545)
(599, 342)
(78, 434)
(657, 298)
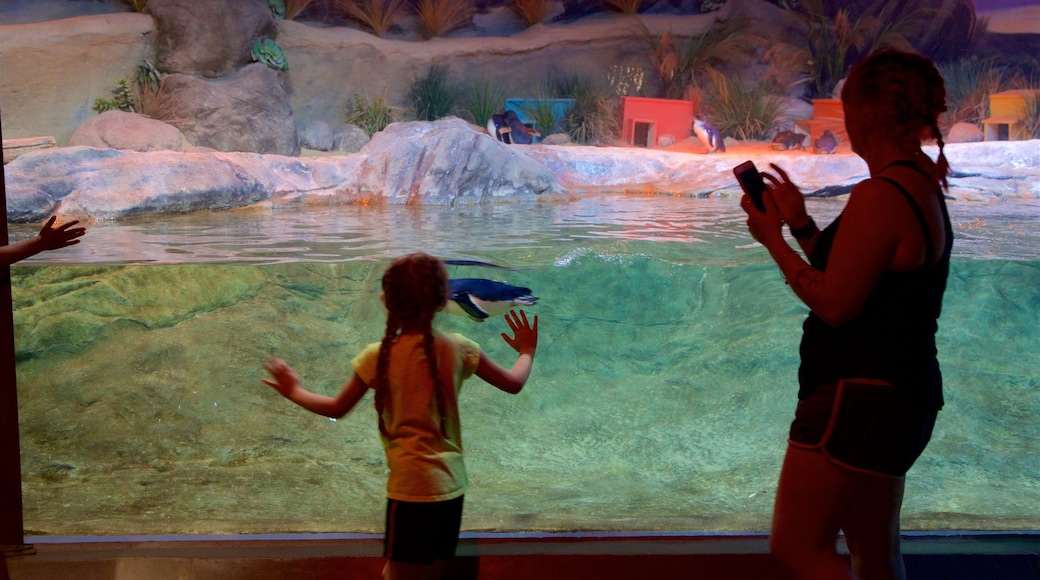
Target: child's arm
(49, 238)
(287, 382)
(524, 342)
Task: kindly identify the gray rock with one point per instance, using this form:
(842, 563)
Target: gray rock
(557, 139)
(246, 111)
(209, 38)
(316, 135)
(964, 133)
(122, 130)
(349, 138)
(448, 162)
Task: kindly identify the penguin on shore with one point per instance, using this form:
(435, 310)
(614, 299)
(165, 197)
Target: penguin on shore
(708, 134)
(825, 144)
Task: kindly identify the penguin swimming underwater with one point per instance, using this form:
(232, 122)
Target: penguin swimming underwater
(708, 134)
(480, 298)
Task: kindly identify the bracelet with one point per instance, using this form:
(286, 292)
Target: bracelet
(805, 232)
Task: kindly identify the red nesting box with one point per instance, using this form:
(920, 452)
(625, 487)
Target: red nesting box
(644, 120)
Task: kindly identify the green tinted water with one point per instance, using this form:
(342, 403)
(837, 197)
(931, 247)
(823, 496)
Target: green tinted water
(660, 398)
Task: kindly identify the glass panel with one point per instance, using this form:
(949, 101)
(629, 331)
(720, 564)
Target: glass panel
(660, 397)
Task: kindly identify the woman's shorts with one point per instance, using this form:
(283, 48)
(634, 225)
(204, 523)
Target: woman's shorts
(422, 532)
(864, 424)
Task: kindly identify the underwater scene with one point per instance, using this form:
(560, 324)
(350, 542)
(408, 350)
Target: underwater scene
(661, 395)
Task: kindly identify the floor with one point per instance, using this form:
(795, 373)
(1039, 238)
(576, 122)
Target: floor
(549, 557)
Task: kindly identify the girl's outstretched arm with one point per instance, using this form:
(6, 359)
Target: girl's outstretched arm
(524, 341)
(287, 382)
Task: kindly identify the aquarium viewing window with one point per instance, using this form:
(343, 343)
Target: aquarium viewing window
(666, 376)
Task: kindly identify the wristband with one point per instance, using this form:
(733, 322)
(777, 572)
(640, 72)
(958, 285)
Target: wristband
(805, 232)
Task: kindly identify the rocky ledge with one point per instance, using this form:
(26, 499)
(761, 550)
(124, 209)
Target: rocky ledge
(448, 162)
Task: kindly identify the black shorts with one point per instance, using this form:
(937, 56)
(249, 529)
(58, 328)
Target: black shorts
(867, 425)
(422, 532)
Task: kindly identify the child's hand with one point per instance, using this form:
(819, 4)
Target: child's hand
(525, 339)
(285, 378)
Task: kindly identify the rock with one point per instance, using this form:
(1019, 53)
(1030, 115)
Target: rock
(666, 140)
(450, 162)
(316, 135)
(246, 111)
(964, 133)
(558, 139)
(209, 38)
(122, 130)
(446, 162)
(349, 138)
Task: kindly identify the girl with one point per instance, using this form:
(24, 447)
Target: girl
(416, 374)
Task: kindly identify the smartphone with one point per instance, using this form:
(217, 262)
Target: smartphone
(751, 182)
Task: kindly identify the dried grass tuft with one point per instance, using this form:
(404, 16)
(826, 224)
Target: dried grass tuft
(439, 17)
(379, 16)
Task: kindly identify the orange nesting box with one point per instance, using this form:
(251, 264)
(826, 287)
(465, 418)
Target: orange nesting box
(828, 114)
(645, 120)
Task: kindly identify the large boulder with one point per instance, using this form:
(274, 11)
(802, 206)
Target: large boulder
(209, 38)
(245, 111)
(122, 130)
(448, 162)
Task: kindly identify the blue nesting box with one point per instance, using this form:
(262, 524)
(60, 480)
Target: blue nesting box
(522, 108)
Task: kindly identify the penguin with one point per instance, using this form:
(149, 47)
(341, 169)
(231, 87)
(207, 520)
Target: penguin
(708, 134)
(788, 140)
(518, 132)
(826, 143)
(480, 298)
(499, 129)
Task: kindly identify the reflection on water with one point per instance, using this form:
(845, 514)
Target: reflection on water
(997, 230)
(659, 401)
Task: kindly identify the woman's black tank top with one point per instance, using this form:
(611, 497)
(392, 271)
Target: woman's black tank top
(892, 338)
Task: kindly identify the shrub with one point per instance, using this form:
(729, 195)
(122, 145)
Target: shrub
(532, 11)
(439, 17)
(376, 15)
(684, 64)
(593, 118)
(434, 95)
(748, 112)
(969, 83)
(371, 115)
(122, 99)
(545, 116)
(481, 100)
(267, 51)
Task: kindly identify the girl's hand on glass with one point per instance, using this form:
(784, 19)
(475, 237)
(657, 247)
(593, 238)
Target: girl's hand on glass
(52, 238)
(789, 201)
(525, 335)
(285, 378)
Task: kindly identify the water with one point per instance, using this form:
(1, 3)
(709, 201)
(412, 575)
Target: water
(661, 394)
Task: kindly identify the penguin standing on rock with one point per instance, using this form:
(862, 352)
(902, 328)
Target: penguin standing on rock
(708, 134)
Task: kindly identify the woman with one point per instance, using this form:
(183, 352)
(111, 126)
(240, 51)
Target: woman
(869, 382)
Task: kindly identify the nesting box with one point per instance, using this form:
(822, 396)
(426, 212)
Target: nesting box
(1007, 112)
(645, 120)
(828, 114)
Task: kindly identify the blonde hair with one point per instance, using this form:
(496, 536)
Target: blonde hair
(415, 287)
(904, 90)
